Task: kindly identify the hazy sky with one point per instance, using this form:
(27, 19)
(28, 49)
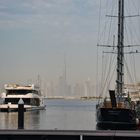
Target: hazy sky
(35, 35)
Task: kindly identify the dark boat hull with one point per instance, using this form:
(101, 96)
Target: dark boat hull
(116, 119)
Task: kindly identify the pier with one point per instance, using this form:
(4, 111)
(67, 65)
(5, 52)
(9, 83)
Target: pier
(68, 135)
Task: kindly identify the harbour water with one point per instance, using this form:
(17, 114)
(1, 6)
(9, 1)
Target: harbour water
(60, 114)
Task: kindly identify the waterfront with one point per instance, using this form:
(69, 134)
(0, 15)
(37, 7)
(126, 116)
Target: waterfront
(60, 114)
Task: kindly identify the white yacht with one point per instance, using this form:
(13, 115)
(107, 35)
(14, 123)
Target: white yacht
(30, 94)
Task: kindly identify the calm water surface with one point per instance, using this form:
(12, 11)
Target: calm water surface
(59, 114)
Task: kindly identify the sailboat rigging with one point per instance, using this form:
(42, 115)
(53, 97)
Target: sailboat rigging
(117, 112)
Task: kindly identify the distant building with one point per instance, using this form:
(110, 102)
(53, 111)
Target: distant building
(78, 90)
(62, 87)
(88, 88)
(49, 89)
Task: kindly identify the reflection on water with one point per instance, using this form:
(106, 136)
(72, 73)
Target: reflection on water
(10, 120)
(32, 119)
(59, 114)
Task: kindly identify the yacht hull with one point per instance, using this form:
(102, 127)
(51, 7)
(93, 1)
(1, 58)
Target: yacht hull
(116, 119)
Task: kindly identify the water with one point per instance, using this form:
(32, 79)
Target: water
(59, 114)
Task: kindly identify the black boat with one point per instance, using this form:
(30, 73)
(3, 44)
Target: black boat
(116, 116)
(117, 112)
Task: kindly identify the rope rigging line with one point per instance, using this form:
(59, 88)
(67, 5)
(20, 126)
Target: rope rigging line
(132, 81)
(107, 69)
(134, 32)
(99, 39)
(108, 63)
(97, 51)
(127, 70)
(131, 35)
(135, 74)
(112, 76)
(107, 74)
(102, 34)
(108, 77)
(110, 25)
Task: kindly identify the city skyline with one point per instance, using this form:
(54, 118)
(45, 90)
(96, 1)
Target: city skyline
(37, 36)
(64, 90)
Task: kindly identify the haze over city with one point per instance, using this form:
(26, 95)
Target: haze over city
(49, 38)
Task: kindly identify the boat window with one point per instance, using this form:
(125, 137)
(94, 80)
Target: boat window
(27, 101)
(19, 92)
(16, 100)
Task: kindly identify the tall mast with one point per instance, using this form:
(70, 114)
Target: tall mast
(120, 50)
